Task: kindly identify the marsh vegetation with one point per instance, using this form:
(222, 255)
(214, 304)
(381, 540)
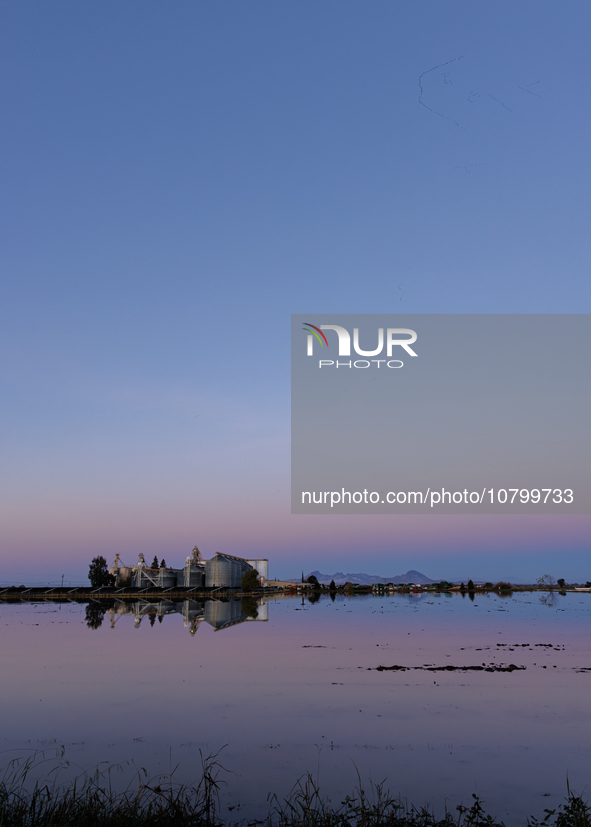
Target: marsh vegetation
(89, 801)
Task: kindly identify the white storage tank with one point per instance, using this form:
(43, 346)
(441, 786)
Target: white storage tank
(262, 566)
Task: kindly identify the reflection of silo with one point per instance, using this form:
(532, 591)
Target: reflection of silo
(192, 611)
(262, 566)
(263, 610)
(219, 614)
(225, 571)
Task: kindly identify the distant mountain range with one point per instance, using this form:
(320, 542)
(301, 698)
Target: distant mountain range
(361, 579)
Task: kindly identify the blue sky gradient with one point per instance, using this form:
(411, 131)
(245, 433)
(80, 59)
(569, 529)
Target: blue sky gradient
(179, 178)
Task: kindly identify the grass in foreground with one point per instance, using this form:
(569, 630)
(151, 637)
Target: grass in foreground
(85, 803)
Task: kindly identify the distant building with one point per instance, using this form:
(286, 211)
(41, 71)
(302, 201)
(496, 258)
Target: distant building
(222, 571)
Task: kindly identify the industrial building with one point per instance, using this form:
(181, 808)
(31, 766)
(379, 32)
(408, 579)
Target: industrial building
(223, 571)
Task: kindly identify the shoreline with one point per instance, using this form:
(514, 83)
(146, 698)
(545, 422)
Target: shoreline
(24, 593)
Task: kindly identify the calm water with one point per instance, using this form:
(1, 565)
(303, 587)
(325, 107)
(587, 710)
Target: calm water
(298, 689)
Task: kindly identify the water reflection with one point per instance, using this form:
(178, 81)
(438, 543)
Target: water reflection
(95, 614)
(551, 598)
(306, 691)
(218, 613)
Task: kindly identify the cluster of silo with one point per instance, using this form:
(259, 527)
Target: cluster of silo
(161, 578)
(222, 571)
(225, 571)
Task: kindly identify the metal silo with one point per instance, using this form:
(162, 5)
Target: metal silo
(193, 576)
(225, 571)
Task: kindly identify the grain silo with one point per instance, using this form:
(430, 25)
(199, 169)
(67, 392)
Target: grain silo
(160, 578)
(262, 566)
(193, 575)
(225, 571)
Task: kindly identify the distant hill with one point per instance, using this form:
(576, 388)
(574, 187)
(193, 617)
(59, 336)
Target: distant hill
(361, 579)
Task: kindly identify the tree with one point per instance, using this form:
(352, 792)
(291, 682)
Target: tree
(155, 563)
(470, 585)
(546, 581)
(163, 563)
(250, 581)
(313, 581)
(561, 582)
(332, 586)
(98, 573)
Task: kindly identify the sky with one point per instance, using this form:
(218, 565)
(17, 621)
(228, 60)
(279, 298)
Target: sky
(178, 179)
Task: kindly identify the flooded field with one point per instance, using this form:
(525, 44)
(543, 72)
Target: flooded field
(441, 695)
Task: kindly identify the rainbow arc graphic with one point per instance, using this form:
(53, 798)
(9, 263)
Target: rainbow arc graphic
(315, 331)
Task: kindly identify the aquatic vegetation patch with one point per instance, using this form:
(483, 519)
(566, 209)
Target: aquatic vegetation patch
(491, 667)
(89, 801)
